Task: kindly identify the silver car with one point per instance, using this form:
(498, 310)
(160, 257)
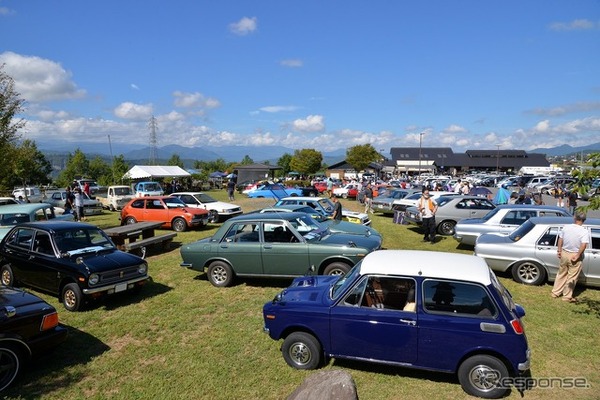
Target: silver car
(386, 204)
(452, 209)
(529, 252)
(503, 219)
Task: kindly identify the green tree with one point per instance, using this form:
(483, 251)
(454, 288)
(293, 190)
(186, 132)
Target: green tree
(10, 105)
(77, 165)
(30, 166)
(360, 156)
(585, 176)
(175, 160)
(100, 171)
(247, 160)
(306, 161)
(119, 168)
(284, 162)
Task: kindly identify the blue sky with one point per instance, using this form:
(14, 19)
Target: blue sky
(319, 74)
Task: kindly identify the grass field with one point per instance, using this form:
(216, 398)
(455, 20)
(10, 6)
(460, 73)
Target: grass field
(182, 338)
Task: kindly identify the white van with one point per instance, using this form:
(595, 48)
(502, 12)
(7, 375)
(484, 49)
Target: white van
(31, 194)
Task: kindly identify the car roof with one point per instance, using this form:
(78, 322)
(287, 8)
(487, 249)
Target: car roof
(531, 207)
(268, 216)
(23, 208)
(304, 198)
(190, 193)
(561, 221)
(56, 225)
(154, 197)
(427, 264)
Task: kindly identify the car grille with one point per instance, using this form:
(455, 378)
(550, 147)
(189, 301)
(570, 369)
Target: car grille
(118, 275)
(199, 217)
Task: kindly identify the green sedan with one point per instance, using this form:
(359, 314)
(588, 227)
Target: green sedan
(274, 245)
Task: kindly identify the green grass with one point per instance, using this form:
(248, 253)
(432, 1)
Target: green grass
(182, 338)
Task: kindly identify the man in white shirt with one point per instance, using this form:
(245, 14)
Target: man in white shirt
(427, 207)
(572, 242)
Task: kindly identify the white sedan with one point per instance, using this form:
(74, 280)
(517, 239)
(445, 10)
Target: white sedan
(218, 210)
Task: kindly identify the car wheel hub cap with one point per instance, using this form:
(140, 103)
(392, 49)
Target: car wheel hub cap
(484, 378)
(300, 353)
(219, 275)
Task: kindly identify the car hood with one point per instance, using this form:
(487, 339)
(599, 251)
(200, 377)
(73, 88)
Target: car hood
(307, 289)
(349, 228)
(17, 297)
(370, 243)
(107, 260)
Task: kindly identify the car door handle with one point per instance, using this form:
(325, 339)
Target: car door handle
(268, 246)
(408, 321)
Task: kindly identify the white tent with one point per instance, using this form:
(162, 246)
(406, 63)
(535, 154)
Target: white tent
(155, 171)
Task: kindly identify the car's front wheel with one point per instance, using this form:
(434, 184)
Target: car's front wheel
(179, 225)
(213, 216)
(10, 364)
(345, 195)
(446, 228)
(220, 274)
(6, 275)
(72, 298)
(336, 268)
(302, 351)
(529, 273)
(481, 376)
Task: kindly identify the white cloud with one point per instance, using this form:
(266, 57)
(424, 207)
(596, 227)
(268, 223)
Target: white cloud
(575, 25)
(38, 80)
(134, 86)
(276, 109)
(292, 63)
(244, 26)
(132, 111)
(194, 100)
(566, 109)
(455, 129)
(312, 123)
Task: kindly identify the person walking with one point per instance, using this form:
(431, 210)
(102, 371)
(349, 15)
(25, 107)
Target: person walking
(427, 207)
(368, 198)
(572, 242)
(572, 201)
(79, 205)
(231, 189)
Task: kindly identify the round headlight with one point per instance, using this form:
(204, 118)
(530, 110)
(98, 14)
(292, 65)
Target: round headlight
(93, 279)
(142, 269)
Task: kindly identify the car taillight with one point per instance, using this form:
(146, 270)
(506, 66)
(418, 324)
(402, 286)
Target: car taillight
(517, 327)
(49, 321)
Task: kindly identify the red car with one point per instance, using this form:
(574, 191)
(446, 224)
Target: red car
(173, 212)
(320, 186)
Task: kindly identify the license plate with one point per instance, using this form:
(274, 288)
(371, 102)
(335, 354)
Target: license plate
(121, 287)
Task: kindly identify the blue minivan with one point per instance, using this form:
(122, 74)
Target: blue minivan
(428, 310)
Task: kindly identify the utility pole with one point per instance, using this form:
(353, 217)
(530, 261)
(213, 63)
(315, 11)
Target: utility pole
(153, 125)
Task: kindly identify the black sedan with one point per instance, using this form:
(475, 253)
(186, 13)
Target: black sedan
(28, 327)
(75, 261)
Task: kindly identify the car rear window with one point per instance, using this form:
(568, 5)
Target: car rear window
(457, 298)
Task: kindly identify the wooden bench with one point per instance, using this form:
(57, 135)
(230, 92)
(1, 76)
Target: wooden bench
(142, 244)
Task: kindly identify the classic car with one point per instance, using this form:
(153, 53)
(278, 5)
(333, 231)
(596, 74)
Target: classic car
(325, 206)
(75, 261)
(412, 199)
(274, 245)
(529, 252)
(386, 204)
(503, 219)
(28, 194)
(452, 209)
(13, 214)
(90, 206)
(273, 191)
(218, 210)
(143, 189)
(309, 191)
(434, 311)
(28, 327)
(347, 191)
(8, 200)
(331, 224)
(174, 213)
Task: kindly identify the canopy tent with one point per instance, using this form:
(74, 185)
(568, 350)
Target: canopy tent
(217, 174)
(155, 171)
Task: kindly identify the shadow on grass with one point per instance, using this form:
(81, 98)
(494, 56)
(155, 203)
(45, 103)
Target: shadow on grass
(254, 282)
(57, 369)
(592, 307)
(126, 298)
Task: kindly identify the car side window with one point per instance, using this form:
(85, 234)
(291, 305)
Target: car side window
(276, 233)
(138, 203)
(595, 242)
(383, 292)
(457, 298)
(549, 237)
(242, 233)
(21, 238)
(43, 244)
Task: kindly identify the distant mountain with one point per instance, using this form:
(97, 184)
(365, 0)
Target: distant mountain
(566, 149)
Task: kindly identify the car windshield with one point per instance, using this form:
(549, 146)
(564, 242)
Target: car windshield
(489, 215)
(173, 202)
(342, 284)
(82, 240)
(123, 191)
(521, 231)
(443, 200)
(204, 198)
(308, 227)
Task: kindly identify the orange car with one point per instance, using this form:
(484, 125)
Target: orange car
(173, 212)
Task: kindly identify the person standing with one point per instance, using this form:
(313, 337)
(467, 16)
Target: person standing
(427, 207)
(329, 187)
(69, 202)
(572, 201)
(572, 242)
(231, 189)
(79, 204)
(337, 209)
(86, 189)
(368, 198)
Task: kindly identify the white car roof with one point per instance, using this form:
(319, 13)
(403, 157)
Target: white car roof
(428, 264)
